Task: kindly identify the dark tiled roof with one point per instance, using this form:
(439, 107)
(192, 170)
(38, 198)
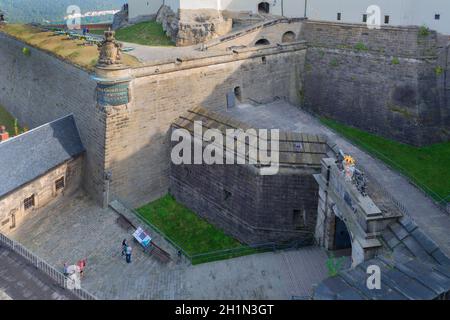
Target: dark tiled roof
(412, 279)
(413, 267)
(32, 154)
(294, 148)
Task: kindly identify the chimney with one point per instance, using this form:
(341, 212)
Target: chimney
(4, 135)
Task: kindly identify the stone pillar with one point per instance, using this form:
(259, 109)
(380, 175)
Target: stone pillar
(113, 97)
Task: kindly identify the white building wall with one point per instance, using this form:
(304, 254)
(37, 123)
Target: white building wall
(199, 4)
(138, 8)
(173, 4)
(400, 12)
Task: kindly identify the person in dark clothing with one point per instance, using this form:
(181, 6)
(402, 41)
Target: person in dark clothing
(124, 247)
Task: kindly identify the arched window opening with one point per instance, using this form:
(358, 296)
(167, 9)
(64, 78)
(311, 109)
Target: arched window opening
(263, 7)
(262, 42)
(288, 37)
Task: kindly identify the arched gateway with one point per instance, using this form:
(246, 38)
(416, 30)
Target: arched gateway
(347, 217)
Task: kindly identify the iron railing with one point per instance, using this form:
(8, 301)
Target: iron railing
(441, 203)
(226, 253)
(44, 267)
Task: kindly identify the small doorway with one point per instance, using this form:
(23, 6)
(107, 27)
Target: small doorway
(13, 219)
(264, 7)
(342, 239)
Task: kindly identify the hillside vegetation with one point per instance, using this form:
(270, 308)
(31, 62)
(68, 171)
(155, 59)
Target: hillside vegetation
(25, 11)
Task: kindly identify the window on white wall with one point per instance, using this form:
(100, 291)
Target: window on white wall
(339, 16)
(386, 19)
(437, 16)
(364, 18)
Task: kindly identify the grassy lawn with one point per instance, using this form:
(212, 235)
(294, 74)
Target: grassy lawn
(148, 33)
(98, 32)
(190, 232)
(7, 120)
(427, 166)
(71, 50)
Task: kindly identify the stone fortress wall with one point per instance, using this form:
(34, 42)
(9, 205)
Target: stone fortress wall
(335, 76)
(390, 82)
(138, 136)
(132, 142)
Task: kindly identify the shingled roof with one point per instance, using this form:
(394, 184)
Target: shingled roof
(32, 154)
(296, 149)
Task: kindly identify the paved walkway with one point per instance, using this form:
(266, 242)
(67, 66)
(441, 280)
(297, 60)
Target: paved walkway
(74, 228)
(148, 54)
(283, 116)
(19, 280)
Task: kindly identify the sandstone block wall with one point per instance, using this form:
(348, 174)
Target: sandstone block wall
(40, 88)
(383, 81)
(272, 32)
(250, 207)
(44, 192)
(138, 143)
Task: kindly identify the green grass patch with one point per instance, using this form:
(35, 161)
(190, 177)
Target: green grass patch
(98, 32)
(427, 167)
(193, 234)
(148, 33)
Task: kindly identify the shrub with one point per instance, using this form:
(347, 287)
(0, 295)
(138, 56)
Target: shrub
(334, 265)
(26, 51)
(439, 70)
(395, 61)
(424, 31)
(334, 63)
(361, 47)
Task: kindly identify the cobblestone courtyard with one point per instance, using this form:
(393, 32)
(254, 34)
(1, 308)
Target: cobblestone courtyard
(75, 228)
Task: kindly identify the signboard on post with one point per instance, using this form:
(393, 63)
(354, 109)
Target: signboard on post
(142, 237)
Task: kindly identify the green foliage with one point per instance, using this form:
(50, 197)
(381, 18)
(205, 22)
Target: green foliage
(361, 47)
(395, 61)
(334, 265)
(334, 63)
(148, 33)
(425, 166)
(192, 233)
(26, 51)
(424, 31)
(11, 124)
(439, 71)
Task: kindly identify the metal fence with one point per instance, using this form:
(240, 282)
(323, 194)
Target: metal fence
(43, 266)
(441, 202)
(226, 253)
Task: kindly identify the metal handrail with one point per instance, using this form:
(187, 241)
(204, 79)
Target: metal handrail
(43, 266)
(270, 246)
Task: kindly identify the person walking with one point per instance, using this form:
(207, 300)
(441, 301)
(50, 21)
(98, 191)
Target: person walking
(124, 247)
(128, 254)
(82, 264)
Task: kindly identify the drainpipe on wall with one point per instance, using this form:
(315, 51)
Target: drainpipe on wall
(282, 8)
(306, 8)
